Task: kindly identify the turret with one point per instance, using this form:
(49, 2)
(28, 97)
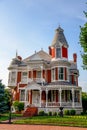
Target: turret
(59, 46)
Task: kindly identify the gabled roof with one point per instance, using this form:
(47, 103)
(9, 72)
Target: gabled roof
(33, 86)
(41, 55)
(59, 38)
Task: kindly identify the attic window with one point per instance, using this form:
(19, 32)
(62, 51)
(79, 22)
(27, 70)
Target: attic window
(58, 52)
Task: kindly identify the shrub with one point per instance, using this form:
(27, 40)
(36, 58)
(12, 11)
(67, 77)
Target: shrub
(54, 113)
(41, 113)
(19, 106)
(50, 113)
(66, 112)
(72, 112)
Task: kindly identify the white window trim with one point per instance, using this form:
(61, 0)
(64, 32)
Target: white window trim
(52, 74)
(21, 95)
(22, 77)
(56, 53)
(10, 75)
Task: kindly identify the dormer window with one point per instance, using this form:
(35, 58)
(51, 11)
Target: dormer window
(58, 52)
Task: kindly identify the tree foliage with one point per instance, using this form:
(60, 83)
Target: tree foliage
(84, 101)
(4, 99)
(83, 43)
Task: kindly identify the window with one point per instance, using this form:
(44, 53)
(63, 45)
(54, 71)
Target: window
(24, 77)
(61, 73)
(38, 74)
(22, 95)
(12, 77)
(58, 52)
(53, 74)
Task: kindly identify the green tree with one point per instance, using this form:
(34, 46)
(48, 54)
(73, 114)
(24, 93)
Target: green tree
(83, 43)
(84, 101)
(3, 103)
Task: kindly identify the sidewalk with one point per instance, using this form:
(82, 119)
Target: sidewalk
(36, 127)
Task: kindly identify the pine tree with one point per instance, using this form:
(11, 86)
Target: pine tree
(3, 102)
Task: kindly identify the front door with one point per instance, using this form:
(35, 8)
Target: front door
(36, 98)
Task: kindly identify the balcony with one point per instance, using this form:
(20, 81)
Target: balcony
(29, 80)
(12, 85)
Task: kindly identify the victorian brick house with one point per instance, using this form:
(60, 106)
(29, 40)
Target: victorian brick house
(47, 81)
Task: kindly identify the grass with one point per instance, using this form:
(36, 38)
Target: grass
(5, 116)
(79, 121)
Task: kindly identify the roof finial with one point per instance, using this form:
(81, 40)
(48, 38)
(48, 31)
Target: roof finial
(16, 53)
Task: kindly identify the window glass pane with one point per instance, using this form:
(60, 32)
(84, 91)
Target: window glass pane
(22, 98)
(53, 74)
(38, 74)
(24, 77)
(61, 73)
(58, 52)
(13, 77)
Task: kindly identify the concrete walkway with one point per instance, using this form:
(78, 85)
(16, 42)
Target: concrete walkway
(36, 127)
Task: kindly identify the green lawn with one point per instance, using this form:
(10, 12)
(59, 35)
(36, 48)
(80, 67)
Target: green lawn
(5, 116)
(80, 121)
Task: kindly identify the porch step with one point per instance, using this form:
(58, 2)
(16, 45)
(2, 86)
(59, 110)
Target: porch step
(30, 111)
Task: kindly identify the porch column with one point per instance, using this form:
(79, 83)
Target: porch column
(80, 97)
(73, 97)
(46, 97)
(60, 91)
(29, 96)
(42, 75)
(25, 97)
(40, 97)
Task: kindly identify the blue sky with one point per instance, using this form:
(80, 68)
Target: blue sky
(29, 25)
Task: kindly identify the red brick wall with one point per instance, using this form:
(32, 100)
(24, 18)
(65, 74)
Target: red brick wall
(29, 74)
(56, 69)
(48, 76)
(72, 79)
(18, 77)
(34, 74)
(43, 95)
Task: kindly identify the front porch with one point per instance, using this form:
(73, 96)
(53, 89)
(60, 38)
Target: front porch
(53, 97)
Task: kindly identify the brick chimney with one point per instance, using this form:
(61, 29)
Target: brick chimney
(75, 57)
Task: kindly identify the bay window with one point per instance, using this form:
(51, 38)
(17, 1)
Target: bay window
(61, 73)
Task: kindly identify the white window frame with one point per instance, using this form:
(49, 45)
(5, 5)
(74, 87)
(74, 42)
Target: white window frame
(61, 74)
(12, 78)
(53, 74)
(58, 56)
(22, 96)
(38, 74)
(24, 79)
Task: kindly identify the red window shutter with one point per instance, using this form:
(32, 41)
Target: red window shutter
(65, 73)
(64, 52)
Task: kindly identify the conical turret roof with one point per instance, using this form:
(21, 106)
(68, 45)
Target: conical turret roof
(59, 38)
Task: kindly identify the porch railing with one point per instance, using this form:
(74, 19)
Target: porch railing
(63, 104)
